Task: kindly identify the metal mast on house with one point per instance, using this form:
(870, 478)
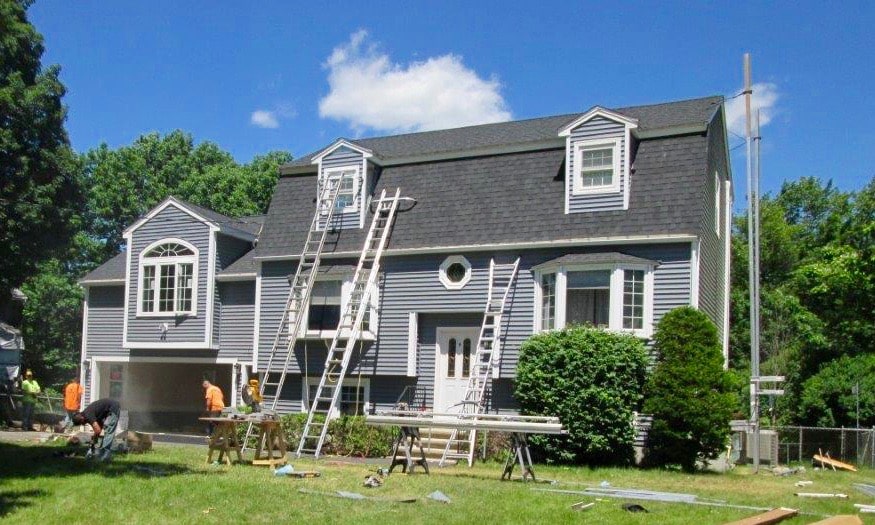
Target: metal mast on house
(462, 443)
(301, 285)
(350, 326)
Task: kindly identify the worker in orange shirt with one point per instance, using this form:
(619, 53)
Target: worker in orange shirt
(72, 401)
(214, 401)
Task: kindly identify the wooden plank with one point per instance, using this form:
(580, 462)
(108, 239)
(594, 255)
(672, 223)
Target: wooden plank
(826, 460)
(772, 516)
(845, 519)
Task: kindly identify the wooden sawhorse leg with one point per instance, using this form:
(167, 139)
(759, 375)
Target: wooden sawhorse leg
(407, 438)
(519, 453)
(270, 440)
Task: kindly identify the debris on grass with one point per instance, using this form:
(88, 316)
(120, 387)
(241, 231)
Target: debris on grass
(373, 482)
(787, 471)
(844, 519)
(766, 518)
(821, 495)
(284, 470)
(665, 497)
(439, 496)
(866, 489)
(356, 496)
(581, 506)
(633, 507)
(825, 460)
(803, 483)
(150, 471)
(209, 509)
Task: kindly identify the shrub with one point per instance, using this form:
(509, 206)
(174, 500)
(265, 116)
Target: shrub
(591, 380)
(689, 394)
(350, 436)
(828, 397)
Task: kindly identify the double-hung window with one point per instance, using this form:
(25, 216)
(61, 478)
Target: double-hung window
(614, 297)
(328, 298)
(348, 179)
(168, 279)
(597, 166)
(353, 400)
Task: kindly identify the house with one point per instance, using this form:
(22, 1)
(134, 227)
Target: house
(616, 217)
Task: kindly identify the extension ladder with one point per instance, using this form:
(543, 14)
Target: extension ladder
(349, 328)
(462, 443)
(299, 297)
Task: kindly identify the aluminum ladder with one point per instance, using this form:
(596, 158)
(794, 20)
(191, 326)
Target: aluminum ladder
(461, 444)
(349, 328)
(301, 284)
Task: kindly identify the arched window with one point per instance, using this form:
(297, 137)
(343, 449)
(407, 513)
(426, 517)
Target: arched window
(168, 279)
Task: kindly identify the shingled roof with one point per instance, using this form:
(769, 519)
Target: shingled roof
(651, 117)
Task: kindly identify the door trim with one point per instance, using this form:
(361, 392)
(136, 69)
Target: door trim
(437, 397)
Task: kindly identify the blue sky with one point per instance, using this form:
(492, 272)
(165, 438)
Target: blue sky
(259, 76)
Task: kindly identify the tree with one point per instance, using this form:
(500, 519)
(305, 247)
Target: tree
(52, 326)
(591, 380)
(828, 397)
(39, 192)
(689, 393)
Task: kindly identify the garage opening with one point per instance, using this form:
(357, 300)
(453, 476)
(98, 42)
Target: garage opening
(162, 397)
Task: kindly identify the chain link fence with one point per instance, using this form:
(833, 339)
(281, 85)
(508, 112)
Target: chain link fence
(851, 445)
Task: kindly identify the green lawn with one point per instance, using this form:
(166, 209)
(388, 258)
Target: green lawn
(36, 486)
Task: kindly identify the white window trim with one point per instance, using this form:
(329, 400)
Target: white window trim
(345, 293)
(577, 187)
(349, 381)
(442, 272)
(356, 188)
(615, 321)
(162, 261)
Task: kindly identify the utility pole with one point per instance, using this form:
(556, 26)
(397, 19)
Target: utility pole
(752, 201)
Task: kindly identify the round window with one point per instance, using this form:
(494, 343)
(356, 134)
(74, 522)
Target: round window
(456, 272)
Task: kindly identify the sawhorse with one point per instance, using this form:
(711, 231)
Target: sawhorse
(407, 438)
(519, 453)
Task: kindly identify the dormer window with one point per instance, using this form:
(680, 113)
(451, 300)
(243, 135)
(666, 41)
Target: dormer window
(348, 178)
(168, 279)
(597, 166)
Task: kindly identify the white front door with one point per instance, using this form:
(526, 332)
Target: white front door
(456, 348)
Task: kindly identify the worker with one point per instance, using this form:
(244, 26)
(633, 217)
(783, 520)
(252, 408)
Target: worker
(214, 402)
(103, 416)
(72, 401)
(29, 389)
(252, 396)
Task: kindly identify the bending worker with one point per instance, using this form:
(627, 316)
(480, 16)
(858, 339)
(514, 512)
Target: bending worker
(103, 416)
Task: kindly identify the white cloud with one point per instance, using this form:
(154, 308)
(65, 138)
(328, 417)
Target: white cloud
(264, 119)
(765, 97)
(369, 91)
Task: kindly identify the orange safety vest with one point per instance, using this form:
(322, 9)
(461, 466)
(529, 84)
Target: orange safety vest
(72, 396)
(215, 399)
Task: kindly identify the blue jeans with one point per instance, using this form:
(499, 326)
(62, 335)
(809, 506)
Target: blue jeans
(68, 419)
(109, 426)
(27, 416)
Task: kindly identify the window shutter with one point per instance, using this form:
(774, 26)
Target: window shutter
(412, 336)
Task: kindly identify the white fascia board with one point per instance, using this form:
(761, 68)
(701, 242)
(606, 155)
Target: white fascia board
(154, 359)
(559, 243)
(134, 345)
(231, 277)
(83, 353)
(338, 144)
(412, 342)
(257, 318)
(598, 111)
(727, 258)
(127, 310)
(100, 282)
(210, 291)
(169, 201)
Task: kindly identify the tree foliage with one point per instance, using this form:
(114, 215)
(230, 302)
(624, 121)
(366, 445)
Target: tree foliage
(829, 399)
(689, 394)
(39, 192)
(591, 380)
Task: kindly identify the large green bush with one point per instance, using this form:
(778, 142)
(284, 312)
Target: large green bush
(828, 397)
(689, 394)
(591, 380)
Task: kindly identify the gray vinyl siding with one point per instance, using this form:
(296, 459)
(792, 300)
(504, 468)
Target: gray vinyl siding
(345, 157)
(228, 250)
(411, 284)
(712, 276)
(106, 308)
(238, 317)
(170, 222)
(597, 128)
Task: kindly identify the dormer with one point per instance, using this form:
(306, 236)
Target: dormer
(597, 159)
(346, 163)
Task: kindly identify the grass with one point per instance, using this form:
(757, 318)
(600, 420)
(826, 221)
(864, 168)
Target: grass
(37, 486)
